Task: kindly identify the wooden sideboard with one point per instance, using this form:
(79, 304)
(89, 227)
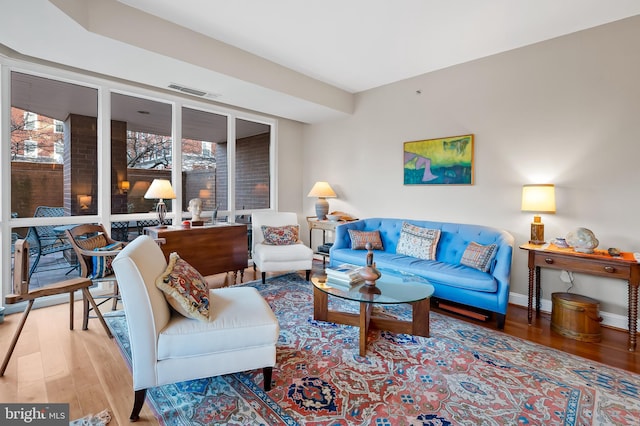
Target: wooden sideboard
(210, 249)
(600, 263)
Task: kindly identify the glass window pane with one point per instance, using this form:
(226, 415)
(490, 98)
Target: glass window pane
(140, 151)
(253, 169)
(49, 168)
(204, 160)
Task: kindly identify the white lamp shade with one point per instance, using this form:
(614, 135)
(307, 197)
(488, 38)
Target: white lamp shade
(322, 189)
(539, 198)
(160, 189)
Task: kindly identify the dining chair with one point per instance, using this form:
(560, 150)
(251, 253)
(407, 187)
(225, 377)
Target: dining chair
(96, 250)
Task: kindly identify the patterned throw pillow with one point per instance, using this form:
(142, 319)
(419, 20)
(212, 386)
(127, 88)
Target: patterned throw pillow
(102, 264)
(185, 289)
(359, 239)
(280, 235)
(418, 242)
(479, 256)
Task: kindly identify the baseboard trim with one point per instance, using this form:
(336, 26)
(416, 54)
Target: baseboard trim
(608, 319)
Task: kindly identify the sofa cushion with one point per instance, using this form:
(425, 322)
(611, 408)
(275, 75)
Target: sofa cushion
(280, 235)
(359, 239)
(418, 242)
(240, 317)
(185, 289)
(437, 273)
(478, 256)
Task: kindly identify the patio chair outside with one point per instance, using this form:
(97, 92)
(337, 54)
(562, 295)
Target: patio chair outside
(43, 240)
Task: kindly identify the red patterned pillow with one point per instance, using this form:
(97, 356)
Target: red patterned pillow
(280, 235)
(359, 239)
(185, 289)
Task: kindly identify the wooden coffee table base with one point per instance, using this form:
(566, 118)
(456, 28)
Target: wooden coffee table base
(418, 326)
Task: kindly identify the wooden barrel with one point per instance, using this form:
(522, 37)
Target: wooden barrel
(576, 316)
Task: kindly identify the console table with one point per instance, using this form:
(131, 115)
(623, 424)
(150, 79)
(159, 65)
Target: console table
(599, 263)
(210, 249)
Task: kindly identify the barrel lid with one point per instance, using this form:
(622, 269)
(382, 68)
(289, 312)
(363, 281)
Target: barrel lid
(572, 297)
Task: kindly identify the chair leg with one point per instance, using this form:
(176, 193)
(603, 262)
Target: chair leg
(85, 312)
(266, 376)
(16, 336)
(138, 402)
(116, 293)
(308, 274)
(264, 277)
(88, 298)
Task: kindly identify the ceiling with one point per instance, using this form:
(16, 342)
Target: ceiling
(301, 60)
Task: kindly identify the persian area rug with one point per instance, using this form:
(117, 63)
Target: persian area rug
(462, 374)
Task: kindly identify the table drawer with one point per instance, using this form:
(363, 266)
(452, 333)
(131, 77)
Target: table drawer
(593, 266)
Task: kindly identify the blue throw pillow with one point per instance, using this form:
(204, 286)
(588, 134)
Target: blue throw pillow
(102, 264)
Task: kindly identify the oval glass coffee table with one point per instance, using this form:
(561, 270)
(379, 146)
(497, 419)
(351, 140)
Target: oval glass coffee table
(395, 288)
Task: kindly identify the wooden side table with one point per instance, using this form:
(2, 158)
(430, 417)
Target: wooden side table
(324, 226)
(599, 263)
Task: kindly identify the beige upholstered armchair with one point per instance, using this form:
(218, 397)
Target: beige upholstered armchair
(282, 249)
(239, 334)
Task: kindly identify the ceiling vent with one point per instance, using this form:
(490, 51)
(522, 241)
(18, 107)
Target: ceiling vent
(192, 91)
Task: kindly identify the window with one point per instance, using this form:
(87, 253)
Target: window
(140, 151)
(253, 168)
(38, 155)
(58, 151)
(30, 120)
(204, 163)
(206, 149)
(58, 126)
(30, 149)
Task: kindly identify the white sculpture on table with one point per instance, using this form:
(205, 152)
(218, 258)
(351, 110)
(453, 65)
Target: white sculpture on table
(195, 208)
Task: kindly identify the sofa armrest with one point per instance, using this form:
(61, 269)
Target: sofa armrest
(502, 270)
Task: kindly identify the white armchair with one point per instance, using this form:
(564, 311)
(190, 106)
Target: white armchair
(166, 347)
(272, 258)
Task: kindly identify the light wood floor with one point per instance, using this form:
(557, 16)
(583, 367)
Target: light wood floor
(86, 369)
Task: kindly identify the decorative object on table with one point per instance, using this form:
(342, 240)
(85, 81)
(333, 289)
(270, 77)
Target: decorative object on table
(195, 208)
(370, 274)
(614, 252)
(582, 240)
(539, 198)
(160, 189)
(560, 243)
(322, 190)
(443, 161)
(334, 217)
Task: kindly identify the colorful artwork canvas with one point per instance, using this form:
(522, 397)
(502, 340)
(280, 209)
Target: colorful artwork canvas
(444, 161)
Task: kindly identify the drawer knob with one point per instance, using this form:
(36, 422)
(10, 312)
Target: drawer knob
(609, 269)
(548, 260)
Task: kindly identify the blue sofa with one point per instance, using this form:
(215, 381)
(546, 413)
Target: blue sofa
(452, 281)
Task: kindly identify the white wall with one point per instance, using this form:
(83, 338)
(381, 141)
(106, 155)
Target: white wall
(565, 111)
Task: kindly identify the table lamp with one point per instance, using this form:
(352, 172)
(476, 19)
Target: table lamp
(160, 189)
(539, 198)
(322, 190)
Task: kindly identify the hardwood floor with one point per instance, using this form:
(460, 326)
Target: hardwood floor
(86, 370)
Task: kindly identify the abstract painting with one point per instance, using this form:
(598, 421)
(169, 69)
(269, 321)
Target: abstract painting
(443, 161)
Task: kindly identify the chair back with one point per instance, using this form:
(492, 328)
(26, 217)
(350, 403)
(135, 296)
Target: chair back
(270, 219)
(87, 237)
(136, 267)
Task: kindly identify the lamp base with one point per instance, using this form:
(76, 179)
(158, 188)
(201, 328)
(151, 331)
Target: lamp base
(537, 233)
(322, 208)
